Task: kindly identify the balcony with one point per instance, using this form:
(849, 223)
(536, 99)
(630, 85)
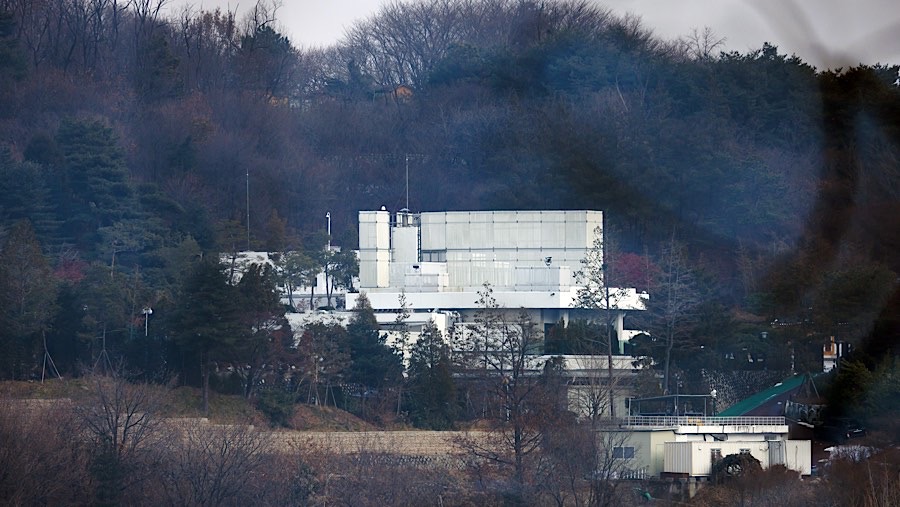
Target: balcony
(676, 421)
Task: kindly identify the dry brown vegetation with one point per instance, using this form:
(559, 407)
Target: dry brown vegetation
(108, 442)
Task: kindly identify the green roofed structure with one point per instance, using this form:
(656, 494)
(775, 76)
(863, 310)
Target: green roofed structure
(758, 400)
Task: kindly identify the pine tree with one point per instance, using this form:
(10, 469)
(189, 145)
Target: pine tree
(324, 360)
(206, 323)
(261, 318)
(297, 269)
(432, 392)
(92, 186)
(373, 364)
(25, 194)
(27, 300)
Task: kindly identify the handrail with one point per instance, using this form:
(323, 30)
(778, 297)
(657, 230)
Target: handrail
(668, 421)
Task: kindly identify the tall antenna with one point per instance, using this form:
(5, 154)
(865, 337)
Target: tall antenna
(248, 208)
(407, 181)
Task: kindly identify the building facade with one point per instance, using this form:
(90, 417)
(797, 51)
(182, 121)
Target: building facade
(690, 446)
(440, 261)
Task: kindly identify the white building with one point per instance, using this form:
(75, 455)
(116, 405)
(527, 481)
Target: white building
(441, 260)
(687, 446)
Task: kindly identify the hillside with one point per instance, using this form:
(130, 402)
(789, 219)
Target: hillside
(137, 149)
(184, 403)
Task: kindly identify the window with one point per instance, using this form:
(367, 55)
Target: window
(623, 452)
(434, 256)
(745, 451)
(715, 455)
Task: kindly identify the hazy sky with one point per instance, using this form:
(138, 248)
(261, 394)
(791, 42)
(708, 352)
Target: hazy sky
(825, 33)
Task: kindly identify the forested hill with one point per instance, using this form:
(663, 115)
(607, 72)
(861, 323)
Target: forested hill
(129, 139)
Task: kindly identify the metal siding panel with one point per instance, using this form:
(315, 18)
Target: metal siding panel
(406, 244)
(677, 458)
(434, 231)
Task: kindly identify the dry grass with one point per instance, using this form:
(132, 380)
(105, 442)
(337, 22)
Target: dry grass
(319, 418)
(184, 403)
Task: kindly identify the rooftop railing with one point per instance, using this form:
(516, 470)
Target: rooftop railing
(686, 420)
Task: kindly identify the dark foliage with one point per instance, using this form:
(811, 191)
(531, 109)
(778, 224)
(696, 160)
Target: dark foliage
(136, 144)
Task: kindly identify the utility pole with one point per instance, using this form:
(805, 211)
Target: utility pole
(609, 322)
(248, 208)
(609, 339)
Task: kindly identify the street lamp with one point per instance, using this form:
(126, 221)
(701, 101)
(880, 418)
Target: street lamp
(328, 218)
(147, 311)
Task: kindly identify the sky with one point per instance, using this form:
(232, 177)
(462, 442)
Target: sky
(824, 33)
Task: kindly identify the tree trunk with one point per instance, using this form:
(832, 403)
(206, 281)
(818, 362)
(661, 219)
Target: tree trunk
(609, 357)
(204, 365)
(327, 285)
(670, 342)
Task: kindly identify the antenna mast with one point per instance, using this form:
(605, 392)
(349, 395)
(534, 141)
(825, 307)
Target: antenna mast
(248, 208)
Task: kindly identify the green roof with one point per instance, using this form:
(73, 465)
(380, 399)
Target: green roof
(747, 404)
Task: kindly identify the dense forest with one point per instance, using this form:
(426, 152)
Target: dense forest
(136, 147)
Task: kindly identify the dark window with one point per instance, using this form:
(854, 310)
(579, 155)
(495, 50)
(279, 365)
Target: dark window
(434, 256)
(623, 452)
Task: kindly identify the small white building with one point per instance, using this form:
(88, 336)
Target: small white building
(688, 446)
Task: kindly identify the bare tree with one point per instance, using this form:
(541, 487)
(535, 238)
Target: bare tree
(590, 397)
(702, 44)
(597, 294)
(42, 463)
(499, 356)
(673, 309)
(402, 340)
(123, 423)
(211, 464)
(582, 465)
(206, 43)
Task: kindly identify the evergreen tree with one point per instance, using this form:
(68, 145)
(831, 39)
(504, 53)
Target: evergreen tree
(27, 300)
(92, 186)
(295, 270)
(13, 64)
(105, 314)
(340, 267)
(25, 194)
(373, 364)
(432, 392)
(261, 318)
(206, 322)
(324, 359)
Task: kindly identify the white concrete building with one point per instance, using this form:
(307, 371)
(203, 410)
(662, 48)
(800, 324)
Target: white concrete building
(441, 260)
(686, 446)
